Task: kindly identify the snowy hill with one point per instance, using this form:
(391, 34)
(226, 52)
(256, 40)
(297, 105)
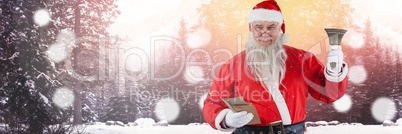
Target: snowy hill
(206, 129)
(149, 126)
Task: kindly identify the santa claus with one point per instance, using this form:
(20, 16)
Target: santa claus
(274, 77)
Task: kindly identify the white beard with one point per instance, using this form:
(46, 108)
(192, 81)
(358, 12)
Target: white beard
(267, 63)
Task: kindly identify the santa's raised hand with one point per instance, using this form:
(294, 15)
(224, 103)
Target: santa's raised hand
(335, 69)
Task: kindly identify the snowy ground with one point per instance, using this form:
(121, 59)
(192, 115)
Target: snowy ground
(205, 129)
(172, 129)
(366, 129)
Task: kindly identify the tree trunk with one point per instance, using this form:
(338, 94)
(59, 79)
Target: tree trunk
(77, 104)
(78, 85)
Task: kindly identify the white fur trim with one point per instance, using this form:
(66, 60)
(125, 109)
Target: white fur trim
(280, 103)
(336, 77)
(219, 118)
(265, 15)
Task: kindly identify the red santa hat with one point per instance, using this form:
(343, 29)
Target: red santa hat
(267, 10)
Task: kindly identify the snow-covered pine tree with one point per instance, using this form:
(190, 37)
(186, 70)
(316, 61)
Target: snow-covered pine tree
(189, 92)
(143, 98)
(362, 93)
(88, 21)
(380, 63)
(89, 104)
(23, 59)
(396, 93)
(26, 74)
(119, 108)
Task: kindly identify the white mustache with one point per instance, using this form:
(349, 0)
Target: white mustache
(264, 38)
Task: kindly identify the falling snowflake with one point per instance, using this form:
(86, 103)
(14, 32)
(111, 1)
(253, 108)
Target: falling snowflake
(66, 37)
(353, 39)
(63, 97)
(57, 52)
(383, 109)
(357, 74)
(343, 104)
(194, 74)
(167, 109)
(42, 17)
(199, 38)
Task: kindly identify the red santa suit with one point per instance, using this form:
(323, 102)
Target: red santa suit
(304, 75)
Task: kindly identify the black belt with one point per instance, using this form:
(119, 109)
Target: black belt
(273, 128)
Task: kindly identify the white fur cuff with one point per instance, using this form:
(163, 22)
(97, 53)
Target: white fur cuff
(219, 118)
(265, 15)
(336, 77)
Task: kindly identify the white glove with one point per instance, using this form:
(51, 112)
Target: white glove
(335, 60)
(239, 119)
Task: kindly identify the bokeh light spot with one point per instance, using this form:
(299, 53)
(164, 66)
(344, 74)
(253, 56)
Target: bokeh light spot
(194, 74)
(199, 38)
(343, 104)
(66, 36)
(57, 52)
(63, 97)
(201, 100)
(167, 109)
(353, 39)
(357, 74)
(383, 109)
(41, 17)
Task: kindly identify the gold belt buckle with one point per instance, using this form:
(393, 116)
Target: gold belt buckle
(276, 123)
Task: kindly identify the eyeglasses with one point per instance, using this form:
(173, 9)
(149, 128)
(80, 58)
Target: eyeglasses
(269, 29)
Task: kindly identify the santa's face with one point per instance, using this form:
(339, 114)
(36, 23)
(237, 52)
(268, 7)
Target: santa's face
(265, 33)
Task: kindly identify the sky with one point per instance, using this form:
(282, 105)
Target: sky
(139, 20)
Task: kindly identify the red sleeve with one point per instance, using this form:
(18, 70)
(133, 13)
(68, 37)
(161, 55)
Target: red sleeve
(321, 88)
(222, 87)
